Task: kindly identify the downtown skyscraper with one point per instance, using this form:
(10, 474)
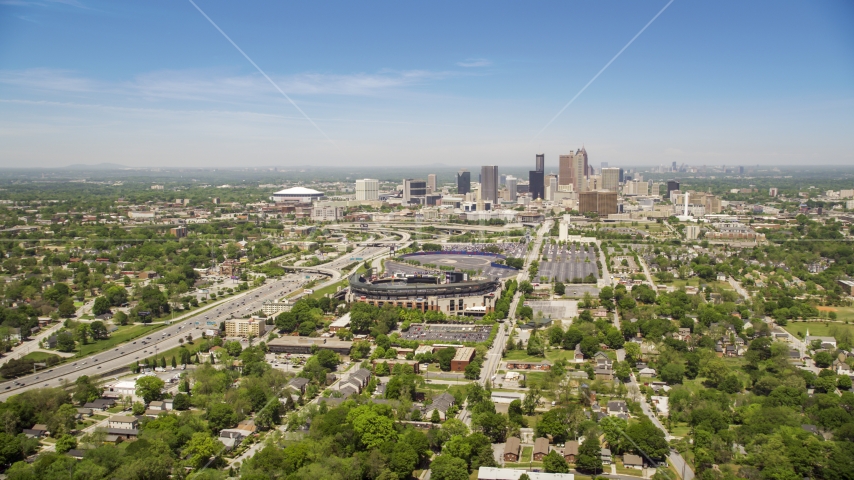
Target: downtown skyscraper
(535, 178)
(489, 183)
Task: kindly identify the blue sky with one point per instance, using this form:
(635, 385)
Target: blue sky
(153, 83)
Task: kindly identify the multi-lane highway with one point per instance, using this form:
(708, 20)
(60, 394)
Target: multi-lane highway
(169, 336)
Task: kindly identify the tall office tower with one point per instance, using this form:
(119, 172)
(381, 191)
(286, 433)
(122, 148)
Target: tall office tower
(772, 192)
(502, 179)
(610, 178)
(672, 185)
(463, 182)
(580, 171)
(510, 182)
(622, 176)
(535, 178)
(535, 185)
(489, 183)
(552, 187)
(602, 202)
(367, 189)
(564, 164)
(713, 204)
(573, 170)
(413, 188)
(431, 182)
(673, 169)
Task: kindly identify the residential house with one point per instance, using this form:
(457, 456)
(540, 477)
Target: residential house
(541, 448)
(602, 358)
(231, 437)
(633, 461)
(76, 454)
(512, 449)
(577, 356)
(123, 421)
(298, 384)
(360, 377)
(617, 407)
(101, 404)
(603, 373)
(441, 404)
(122, 427)
(38, 431)
(570, 451)
(605, 456)
(647, 372)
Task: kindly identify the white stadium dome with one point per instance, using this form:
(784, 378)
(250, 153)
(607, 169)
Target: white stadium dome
(297, 193)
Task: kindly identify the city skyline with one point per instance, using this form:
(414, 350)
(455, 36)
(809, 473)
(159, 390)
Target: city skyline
(168, 90)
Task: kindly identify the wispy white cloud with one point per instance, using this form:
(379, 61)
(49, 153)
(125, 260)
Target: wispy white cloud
(42, 3)
(48, 79)
(474, 62)
(194, 85)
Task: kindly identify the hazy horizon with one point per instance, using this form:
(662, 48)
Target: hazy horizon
(156, 85)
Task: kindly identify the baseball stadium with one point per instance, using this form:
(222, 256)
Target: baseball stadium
(425, 293)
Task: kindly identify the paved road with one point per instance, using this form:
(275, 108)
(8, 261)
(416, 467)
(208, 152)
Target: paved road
(646, 271)
(738, 288)
(676, 458)
(168, 337)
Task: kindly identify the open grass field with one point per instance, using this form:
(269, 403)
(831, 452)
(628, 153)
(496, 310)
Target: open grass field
(650, 227)
(122, 335)
(38, 356)
(551, 355)
(821, 329)
(696, 282)
(843, 314)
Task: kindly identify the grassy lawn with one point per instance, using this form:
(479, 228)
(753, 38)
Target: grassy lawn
(440, 387)
(527, 454)
(38, 356)
(320, 293)
(122, 335)
(627, 471)
(551, 355)
(696, 281)
(536, 377)
(680, 430)
(822, 329)
(192, 347)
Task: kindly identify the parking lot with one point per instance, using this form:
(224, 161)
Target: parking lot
(447, 333)
(566, 263)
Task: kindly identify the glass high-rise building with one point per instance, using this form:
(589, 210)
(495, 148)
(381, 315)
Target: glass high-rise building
(463, 182)
(535, 178)
(489, 183)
